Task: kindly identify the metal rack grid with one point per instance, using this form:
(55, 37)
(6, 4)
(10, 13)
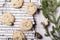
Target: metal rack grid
(6, 32)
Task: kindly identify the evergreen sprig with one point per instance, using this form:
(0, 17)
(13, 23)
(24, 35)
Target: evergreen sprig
(49, 7)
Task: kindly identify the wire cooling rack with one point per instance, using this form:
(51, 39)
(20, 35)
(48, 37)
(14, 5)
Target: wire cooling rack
(6, 32)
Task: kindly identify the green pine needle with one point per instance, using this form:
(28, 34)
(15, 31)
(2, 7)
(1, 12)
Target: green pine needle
(49, 7)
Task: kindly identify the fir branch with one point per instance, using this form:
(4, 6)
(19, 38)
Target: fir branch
(48, 8)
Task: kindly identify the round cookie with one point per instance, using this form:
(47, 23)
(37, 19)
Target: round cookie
(31, 8)
(26, 24)
(18, 35)
(17, 3)
(7, 19)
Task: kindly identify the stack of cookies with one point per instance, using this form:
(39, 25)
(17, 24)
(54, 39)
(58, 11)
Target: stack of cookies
(26, 24)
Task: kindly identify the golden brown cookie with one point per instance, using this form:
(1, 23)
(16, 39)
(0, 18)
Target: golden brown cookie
(17, 3)
(26, 24)
(7, 19)
(18, 35)
(31, 8)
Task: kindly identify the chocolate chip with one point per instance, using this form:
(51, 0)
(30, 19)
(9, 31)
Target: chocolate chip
(18, 0)
(39, 36)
